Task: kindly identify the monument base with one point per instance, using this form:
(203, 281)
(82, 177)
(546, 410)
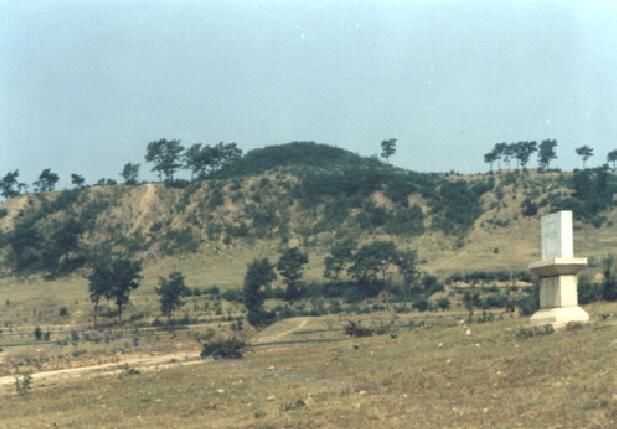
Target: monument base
(559, 317)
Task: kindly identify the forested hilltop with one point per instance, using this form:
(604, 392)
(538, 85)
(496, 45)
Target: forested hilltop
(309, 195)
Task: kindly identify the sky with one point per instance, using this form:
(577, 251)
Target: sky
(85, 85)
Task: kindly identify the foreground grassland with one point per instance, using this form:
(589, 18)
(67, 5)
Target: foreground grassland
(426, 377)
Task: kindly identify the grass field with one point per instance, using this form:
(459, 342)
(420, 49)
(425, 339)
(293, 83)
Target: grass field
(427, 377)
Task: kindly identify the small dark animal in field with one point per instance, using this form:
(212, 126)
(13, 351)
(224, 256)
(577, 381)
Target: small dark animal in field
(394, 335)
(605, 316)
(356, 346)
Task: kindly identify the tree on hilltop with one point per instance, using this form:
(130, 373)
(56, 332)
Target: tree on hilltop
(130, 173)
(388, 148)
(77, 180)
(47, 181)
(9, 186)
(612, 158)
(585, 152)
(490, 159)
(165, 155)
(546, 153)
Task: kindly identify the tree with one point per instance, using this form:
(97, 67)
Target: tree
(373, 259)
(523, 151)
(130, 173)
(99, 283)
(170, 293)
(547, 153)
(610, 278)
(443, 303)
(77, 180)
(340, 256)
(114, 278)
(490, 159)
(259, 274)
(47, 181)
(194, 160)
(585, 152)
(388, 148)
(612, 158)
(9, 186)
(63, 244)
(291, 267)
(470, 301)
(500, 150)
(165, 155)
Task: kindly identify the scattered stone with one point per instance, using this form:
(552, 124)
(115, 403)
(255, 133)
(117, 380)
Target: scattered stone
(271, 368)
(467, 331)
(271, 398)
(440, 345)
(220, 391)
(362, 392)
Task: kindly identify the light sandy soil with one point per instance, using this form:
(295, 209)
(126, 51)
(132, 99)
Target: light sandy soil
(139, 362)
(150, 362)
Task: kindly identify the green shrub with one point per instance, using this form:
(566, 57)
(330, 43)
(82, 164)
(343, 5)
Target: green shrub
(23, 384)
(230, 348)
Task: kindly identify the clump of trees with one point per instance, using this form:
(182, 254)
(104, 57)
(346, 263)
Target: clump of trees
(113, 278)
(521, 152)
(167, 156)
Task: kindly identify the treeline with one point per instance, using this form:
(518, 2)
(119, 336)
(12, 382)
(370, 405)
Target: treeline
(546, 153)
(351, 272)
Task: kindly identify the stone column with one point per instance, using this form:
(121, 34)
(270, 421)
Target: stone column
(557, 271)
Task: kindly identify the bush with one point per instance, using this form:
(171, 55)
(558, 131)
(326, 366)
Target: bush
(530, 303)
(233, 295)
(589, 292)
(23, 385)
(64, 311)
(38, 333)
(355, 330)
(230, 348)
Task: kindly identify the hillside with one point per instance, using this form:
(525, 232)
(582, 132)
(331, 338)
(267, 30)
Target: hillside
(308, 195)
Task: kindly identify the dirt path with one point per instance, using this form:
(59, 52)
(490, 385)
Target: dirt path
(146, 363)
(280, 330)
(139, 362)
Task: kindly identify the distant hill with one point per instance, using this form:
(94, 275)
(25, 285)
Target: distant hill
(311, 194)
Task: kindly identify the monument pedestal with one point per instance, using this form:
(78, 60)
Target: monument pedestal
(559, 317)
(557, 272)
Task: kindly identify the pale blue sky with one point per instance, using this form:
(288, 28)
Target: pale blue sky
(85, 85)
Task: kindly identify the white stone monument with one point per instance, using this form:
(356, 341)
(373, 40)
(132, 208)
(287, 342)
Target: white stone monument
(557, 271)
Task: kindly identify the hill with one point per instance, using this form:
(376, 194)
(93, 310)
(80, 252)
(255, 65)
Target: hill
(309, 194)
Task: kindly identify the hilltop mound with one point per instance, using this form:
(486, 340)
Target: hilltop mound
(301, 155)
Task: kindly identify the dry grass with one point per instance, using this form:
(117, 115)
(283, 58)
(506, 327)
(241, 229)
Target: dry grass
(491, 379)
